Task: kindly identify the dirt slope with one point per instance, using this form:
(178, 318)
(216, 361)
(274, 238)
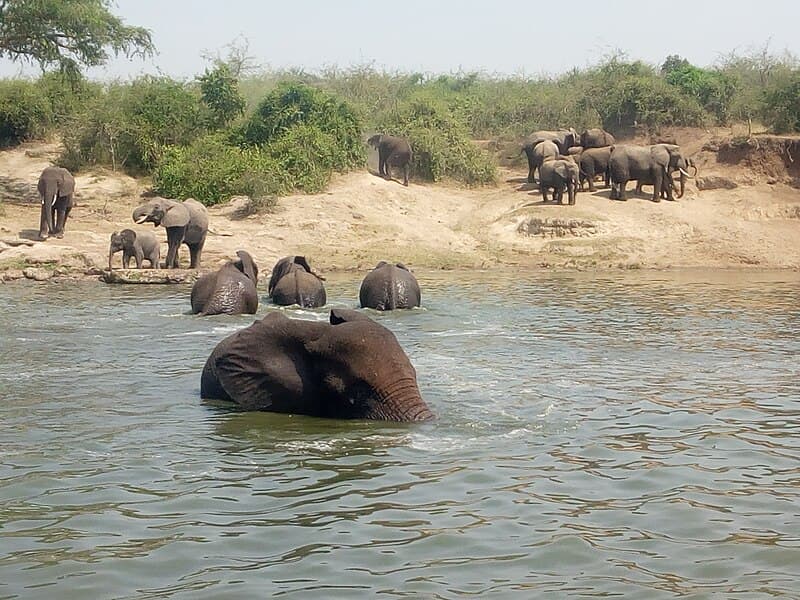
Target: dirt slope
(362, 219)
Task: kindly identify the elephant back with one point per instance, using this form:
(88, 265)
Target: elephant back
(388, 287)
(197, 227)
(300, 287)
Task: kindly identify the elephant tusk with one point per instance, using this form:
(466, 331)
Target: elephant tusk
(141, 220)
(685, 173)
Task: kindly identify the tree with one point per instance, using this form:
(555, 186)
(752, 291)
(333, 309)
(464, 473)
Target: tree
(220, 93)
(68, 34)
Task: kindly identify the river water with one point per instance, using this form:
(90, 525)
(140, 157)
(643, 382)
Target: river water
(632, 435)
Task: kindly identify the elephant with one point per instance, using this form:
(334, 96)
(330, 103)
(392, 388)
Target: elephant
(537, 154)
(593, 162)
(348, 368)
(293, 282)
(563, 138)
(186, 223)
(56, 187)
(392, 152)
(559, 173)
(388, 287)
(230, 290)
(139, 245)
(596, 138)
(648, 164)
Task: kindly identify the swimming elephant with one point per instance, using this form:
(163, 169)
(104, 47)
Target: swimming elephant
(348, 368)
(388, 287)
(537, 153)
(593, 162)
(139, 245)
(559, 174)
(392, 152)
(596, 138)
(650, 164)
(229, 290)
(293, 282)
(56, 187)
(186, 223)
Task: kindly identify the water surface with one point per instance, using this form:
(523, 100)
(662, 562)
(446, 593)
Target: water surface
(631, 435)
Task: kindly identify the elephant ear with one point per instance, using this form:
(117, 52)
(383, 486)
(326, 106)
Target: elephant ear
(383, 263)
(128, 236)
(175, 215)
(346, 315)
(66, 186)
(301, 261)
(401, 266)
(247, 265)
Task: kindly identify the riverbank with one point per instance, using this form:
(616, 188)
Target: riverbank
(750, 220)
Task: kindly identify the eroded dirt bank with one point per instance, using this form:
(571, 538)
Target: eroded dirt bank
(750, 219)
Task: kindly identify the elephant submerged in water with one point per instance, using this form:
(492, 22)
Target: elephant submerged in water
(348, 368)
(293, 282)
(388, 287)
(186, 223)
(56, 186)
(229, 290)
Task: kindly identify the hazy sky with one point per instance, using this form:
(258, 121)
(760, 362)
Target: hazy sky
(442, 36)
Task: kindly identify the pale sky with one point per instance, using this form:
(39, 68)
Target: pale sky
(503, 37)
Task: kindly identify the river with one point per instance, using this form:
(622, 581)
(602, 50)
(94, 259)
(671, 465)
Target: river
(624, 434)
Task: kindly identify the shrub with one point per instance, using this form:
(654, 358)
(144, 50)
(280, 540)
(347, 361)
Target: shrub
(220, 93)
(782, 105)
(24, 112)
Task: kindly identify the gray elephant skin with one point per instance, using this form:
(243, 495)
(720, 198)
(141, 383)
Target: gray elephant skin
(388, 287)
(348, 368)
(229, 290)
(559, 174)
(593, 162)
(56, 186)
(537, 153)
(648, 164)
(393, 151)
(596, 138)
(293, 282)
(563, 138)
(186, 223)
(139, 245)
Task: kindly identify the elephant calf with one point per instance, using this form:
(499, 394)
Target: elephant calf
(392, 152)
(139, 245)
(230, 290)
(293, 282)
(388, 287)
(559, 174)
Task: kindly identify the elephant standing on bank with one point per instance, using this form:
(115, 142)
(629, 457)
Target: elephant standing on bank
(139, 245)
(563, 138)
(293, 282)
(593, 162)
(392, 152)
(560, 174)
(596, 138)
(388, 287)
(349, 368)
(538, 153)
(230, 290)
(648, 164)
(56, 187)
(186, 223)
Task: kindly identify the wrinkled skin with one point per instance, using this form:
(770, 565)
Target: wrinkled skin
(392, 152)
(388, 287)
(593, 162)
(560, 174)
(648, 164)
(293, 282)
(563, 138)
(230, 290)
(56, 187)
(137, 245)
(538, 153)
(596, 138)
(349, 368)
(186, 223)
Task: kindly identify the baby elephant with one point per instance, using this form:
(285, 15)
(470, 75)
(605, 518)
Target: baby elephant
(293, 282)
(392, 152)
(139, 245)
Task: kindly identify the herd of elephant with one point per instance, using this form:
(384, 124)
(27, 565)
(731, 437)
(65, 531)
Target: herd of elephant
(566, 161)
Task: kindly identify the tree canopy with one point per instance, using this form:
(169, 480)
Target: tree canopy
(68, 34)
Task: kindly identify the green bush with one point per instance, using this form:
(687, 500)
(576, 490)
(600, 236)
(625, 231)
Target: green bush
(782, 105)
(25, 113)
(440, 142)
(220, 93)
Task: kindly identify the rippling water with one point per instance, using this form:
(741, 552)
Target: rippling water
(615, 435)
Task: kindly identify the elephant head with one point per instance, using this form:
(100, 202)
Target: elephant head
(285, 266)
(375, 140)
(120, 240)
(161, 211)
(671, 159)
(246, 265)
(349, 368)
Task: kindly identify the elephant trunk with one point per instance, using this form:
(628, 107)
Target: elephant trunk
(401, 401)
(683, 184)
(110, 255)
(49, 198)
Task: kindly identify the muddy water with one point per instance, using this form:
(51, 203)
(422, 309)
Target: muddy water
(630, 435)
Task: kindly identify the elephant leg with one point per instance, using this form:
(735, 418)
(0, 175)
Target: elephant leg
(61, 221)
(621, 194)
(382, 163)
(174, 241)
(590, 176)
(543, 190)
(43, 228)
(126, 260)
(195, 251)
(657, 187)
(405, 175)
